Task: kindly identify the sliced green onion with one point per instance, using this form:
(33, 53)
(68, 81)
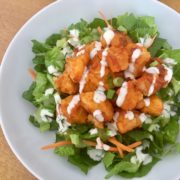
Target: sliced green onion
(153, 64)
(110, 93)
(118, 81)
(110, 81)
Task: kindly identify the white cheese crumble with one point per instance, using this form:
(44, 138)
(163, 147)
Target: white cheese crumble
(141, 157)
(95, 154)
(93, 131)
(53, 70)
(100, 145)
(154, 127)
(46, 115)
(169, 61)
(98, 115)
(74, 40)
(129, 115)
(49, 91)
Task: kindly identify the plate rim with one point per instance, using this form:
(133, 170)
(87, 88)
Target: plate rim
(5, 133)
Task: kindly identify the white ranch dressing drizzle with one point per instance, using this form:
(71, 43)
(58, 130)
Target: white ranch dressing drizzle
(60, 119)
(151, 88)
(98, 115)
(83, 80)
(169, 74)
(147, 102)
(99, 95)
(108, 36)
(122, 94)
(97, 48)
(81, 52)
(103, 62)
(75, 100)
(112, 127)
(135, 55)
(152, 70)
(147, 42)
(129, 115)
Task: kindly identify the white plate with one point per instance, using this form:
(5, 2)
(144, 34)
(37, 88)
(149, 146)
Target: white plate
(26, 140)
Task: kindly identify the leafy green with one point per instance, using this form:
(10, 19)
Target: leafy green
(173, 53)
(171, 131)
(33, 121)
(67, 150)
(39, 59)
(56, 58)
(108, 159)
(97, 22)
(123, 166)
(51, 40)
(41, 84)
(137, 27)
(75, 139)
(44, 126)
(127, 21)
(28, 95)
(176, 72)
(142, 171)
(138, 135)
(158, 44)
(39, 47)
(82, 160)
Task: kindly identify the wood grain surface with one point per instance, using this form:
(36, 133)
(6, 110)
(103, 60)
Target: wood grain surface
(13, 14)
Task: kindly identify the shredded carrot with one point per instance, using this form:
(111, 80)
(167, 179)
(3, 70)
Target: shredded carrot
(113, 149)
(57, 144)
(90, 143)
(100, 31)
(134, 145)
(105, 19)
(32, 73)
(120, 145)
(120, 152)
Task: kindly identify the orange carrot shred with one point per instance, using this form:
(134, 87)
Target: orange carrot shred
(32, 73)
(120, 145)
(57, 144)
(134, 145)
(100, 31)
(104, 18)
(90, 143)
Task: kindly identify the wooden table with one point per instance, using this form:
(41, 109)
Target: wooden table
(13, 14)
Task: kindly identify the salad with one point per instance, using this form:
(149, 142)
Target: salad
(110, 91)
